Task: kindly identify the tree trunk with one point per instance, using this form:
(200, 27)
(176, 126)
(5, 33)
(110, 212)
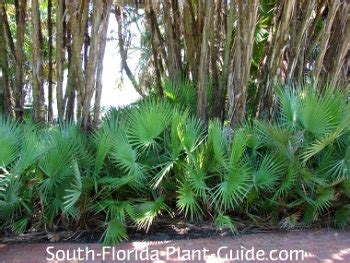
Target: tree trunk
(204, 64)
(272, 71)
(244, 42)
(6, 103)
(37, 70)
(227, 56)
(123, 52)
(326, 33)
(3, 66)
(191, 37)
(71, 89)
(155, 43)
(78, 13)
(60, 57)
(215, 41)
(340, 40)
(177, 35)
(173, 56)
(8, 32)
(50, 80)
(101, 52)
(98, 35)
(21, 7)
(299, 38)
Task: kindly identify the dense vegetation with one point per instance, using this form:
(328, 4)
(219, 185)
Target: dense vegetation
(156, 159)
(234, 53)
(212, 138)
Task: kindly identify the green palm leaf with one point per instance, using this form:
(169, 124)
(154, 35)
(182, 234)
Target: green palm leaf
(342, 216)
(321, 114)
(231, 191)
(223, 221)
(126, 157)
(148, 121)
(191, 134)
(73, 194)
(149, 210)
(268, 173)
(289, 101)
(9, 142)
(217, 144)
(114, 233)
(187, 201)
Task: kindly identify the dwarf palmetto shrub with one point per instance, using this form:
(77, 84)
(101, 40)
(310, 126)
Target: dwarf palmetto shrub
(154, 159)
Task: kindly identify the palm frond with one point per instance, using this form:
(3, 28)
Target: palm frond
(103, 141)
(187, 201)
(114, 209)
(166, 167)
(238, 147)
(231, 191)
(275, 137)
(191, 134)
(114, 233)
(225, 222)
(183, 93)
(149, 210)
(321, 114)
(74, 192)
(342, 216)
(126, 157)
(319, 144)
(57, 163)
(289, 102)
(288, 180)
(148, 121)
(268, 173)
(20, 225)
(9, 141)
(33, 148)
(217, 144)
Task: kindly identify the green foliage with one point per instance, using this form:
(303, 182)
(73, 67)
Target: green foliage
(9, 143)
(154, 159)
(148, 121)
(224, 221)
(182, 93)
(115, 232)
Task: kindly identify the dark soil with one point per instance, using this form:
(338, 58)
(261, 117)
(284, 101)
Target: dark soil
(164, 229)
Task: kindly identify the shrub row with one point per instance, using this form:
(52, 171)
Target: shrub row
(153, 158)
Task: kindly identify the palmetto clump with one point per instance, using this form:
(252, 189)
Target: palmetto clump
(155, 159)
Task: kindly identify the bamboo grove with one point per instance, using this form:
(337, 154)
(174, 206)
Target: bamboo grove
(234, 52)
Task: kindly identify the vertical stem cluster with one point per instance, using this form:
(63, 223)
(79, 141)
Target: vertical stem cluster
(204, 64)
(37, 67)
(60, 56)
(50, 63)
(244, 41)
(21, 7)
(5, 98)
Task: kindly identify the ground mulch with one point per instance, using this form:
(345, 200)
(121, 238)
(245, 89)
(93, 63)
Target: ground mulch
(320, 245)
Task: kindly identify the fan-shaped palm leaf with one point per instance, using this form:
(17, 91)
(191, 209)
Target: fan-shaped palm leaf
(321, 114)
(114, 233)
(148, 121)
(126, 157)
(149, 210)
(223, 221)
(268, 173)
(9, 141)
(231, 191)
(187, 201)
